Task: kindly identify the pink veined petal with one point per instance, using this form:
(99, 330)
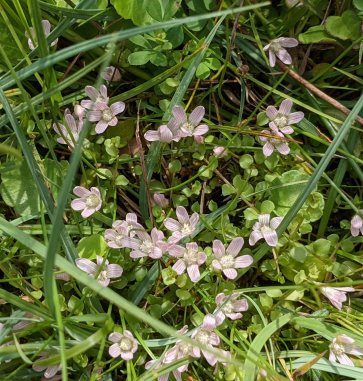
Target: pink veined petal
(46, 27)
(179, 267)
(81, 191)
(113, 121)
(152, 136)
(241, 305)
(355, 351)
(344, 359)
(114, 271)
(39, 368)
(114, 350)
(201, 130)
(177, 251)
(271, 113)
(218, 248)
(117, 108)
(172, 225)
(295, 117)
(127, 356)
(182, 215)
(283, 148)
(267, 149)
(91, 92)
(179, 115)
(87, 212)
(201, 258)
(96, 191)
(264, 219)
(284, 56)
(235, 246)
(220, 298)
(103, 281)
(230, 273)
(115, 337)
(354, 231)
(356, 222)
(137, 254)
(220, 317)
(78, 204)
(270, 238)
(51, 371)
(243, 261)
(199, 139)
(275, 222)
(194, 218)
(193, 272)
(272, 58)
(101, 127)
(255, 236)
(166, 135)
(344, 289)
(332, 356)
(197, 115)
(94, 115)
(209, 322)
(87, 104)
(71, 122)
(86, 265)
(285, 107)
(103, 91)
(211, 359)
(156, 253)
(288, 42)
(266, 47)
(216, 265)
(287, 130)
(214, 338)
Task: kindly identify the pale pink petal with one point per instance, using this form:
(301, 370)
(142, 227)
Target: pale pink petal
(127, 356)
(235, 246)
(117, 108)
(201, 258)
(71, 122)
(211, 359)
(179, 267)
(201, 130)
(294, 117)
(288, 42)
(194, 218)
(284, 56)
(179, 115)
(272, 58)
(152, 136)
(218, 248)
(165, 134)
(51, 371)
(177, 251)
(115, 337)
(91, 92)
(344, 359)
(275, 222)
(283, 148)
(113, 122)
(255, 236)
(264, 219)
(81, 191)
(271, 113)
(101, 126)
(243, 261)
(285, 107)
(114, 271)
(114, 350)
(46, 27)
(172, 225)
(86, 265)
(94, 116)
(234, 316)
(230, 273)
(267, 149)
(216, 265)
(78, 204)
(193, 272)
(103, 91)
(87, 212)
(197, 115)
(209, 323)
(287, 130)
(270, 237)
(182, 215)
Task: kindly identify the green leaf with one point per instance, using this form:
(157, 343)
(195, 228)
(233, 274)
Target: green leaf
(140, 58)
(358, 4)
(202, 71)
(136, 10)
(89, 247)
(345, 27)
(316, 35)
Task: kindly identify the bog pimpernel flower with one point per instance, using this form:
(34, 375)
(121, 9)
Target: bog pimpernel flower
(282, 119)
(272, 143)
(340, 347)
(105, 116)
(124, 345)
(277, 48)
(161, 200)
(185, 225)
(265, 229)
(230, 306)
(162, 134)
(68, 134)
(103, 271)
(336, 295)
(89, 201)
(50, 370)
(97, 98)
(356, 225)
(32, 39)
(188, 126)
(111, 73)
(190, 258)
(227, 260)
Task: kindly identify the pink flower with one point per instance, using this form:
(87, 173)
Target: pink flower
(124, 345)
(69, 134)
(276, 48)
(282, 118)
(356, 225)
(336, 295)
(227, 260)
(206, 336)
(272, 143)
(341, 345)
(32, 39)
(162, 134)
(265, 229)
(102, 271)
(188, 126)
(50, 371)
(190, 259)
(230, 306)
(122, 229)
(105, 116)
(97, 98)
(89, 201)
(161, 200)
(111, 73)
(185, 225)
(220, 151)
(146, 245)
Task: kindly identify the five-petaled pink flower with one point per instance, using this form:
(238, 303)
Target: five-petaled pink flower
(105, 116)
(230, 306)
(32, 39)
(336, 295)
(277, 48)
(68, 134)
(122, 229)
(89, 201)
(102, 271)
(188, 126)
(274, 141)
(163, 134)
(265, 229)
(282, 119)
(97, 98)
(111, 73)
(161, 200)
(190, 258)
(124, 345)
(185, 225)
(227, 260)
(356, 225)
(341, 345)
(145, 245)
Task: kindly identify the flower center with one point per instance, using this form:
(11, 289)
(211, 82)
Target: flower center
(125, 344)
(186, 229)
(190, 257)
(228, 308)
(280, 121)
(92, 201)
(118, 239)
(146, 247)
(188, 126)
(103, 275)
(203, 337)
(338, 349)
(107, 115)
(184, 349)
(265, 229)
(275, 46)
(227, 261)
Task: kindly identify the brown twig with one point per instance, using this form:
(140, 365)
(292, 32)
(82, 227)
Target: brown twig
(142, 163)
(318, 92)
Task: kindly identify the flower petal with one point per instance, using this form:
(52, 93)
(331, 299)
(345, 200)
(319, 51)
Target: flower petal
(255, 236)
(201, 130)
(81, 191)
(78, 204)
(295, 117)
(285, 107)
(235, 246)
(197, 115)
(243, 261)
(270, 237)
(86, 265)
(182, 215)
(271, 112)
(117, 108)
(114, 350)
(179, 115)
(272, 58)
(230, 273)
(101, 127)
(288, 42)
(284, 56)
(267, 149)
(114, 271)
(218, 248)
(193, 272)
